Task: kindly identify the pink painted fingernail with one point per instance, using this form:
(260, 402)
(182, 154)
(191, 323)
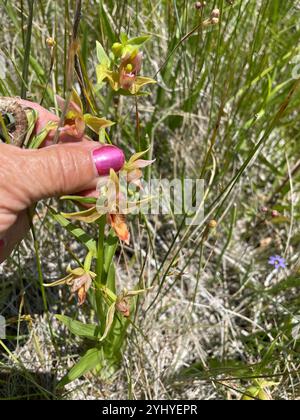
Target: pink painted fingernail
(108, 157)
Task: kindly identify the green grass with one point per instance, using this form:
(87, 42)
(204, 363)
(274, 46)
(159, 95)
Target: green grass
(225, 109)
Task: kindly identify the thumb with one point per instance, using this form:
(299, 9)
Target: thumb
(63, 169)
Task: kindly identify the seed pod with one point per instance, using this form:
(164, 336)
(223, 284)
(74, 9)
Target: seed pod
(117, 49)
(215, 21)
(200, 5)
(212, 224)
(215, 13)
(275, 214)
(50, 42)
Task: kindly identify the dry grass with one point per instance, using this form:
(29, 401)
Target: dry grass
(222, 317)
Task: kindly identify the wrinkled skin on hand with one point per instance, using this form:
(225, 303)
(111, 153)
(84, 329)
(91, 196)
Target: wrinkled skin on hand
(27, 176)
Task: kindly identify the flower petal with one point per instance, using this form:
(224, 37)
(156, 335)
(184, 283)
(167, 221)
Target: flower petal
(119, 225)
(140, 82)
(75, 100)
(142, 163)
(96, 124)
(81, 294)
(80, 127)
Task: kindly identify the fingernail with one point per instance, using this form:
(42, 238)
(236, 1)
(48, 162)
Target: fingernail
(108, 157)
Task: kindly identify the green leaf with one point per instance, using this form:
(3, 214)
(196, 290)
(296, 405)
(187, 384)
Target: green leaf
(286, 284)
(90, 360)
(75, 231)
(280, 220)
(80, 199)
(140, 40)
(110, 249)
(102, 136)
(111, 278)
(107, 293)
(38, 140)
(79, 329)
(101, 55)
(123, 38)
(87, 216)
(32, 117)
(105, 21)
(109, 320)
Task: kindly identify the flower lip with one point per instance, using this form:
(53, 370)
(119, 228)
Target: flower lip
(129, 69)
(108, 157)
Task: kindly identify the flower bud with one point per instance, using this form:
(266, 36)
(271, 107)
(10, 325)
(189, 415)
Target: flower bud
(212, 224)
(50, 42)
(117, 49)
(123, 307)
(215, 21)
(215, 13)
(200, 5)
(275, 214)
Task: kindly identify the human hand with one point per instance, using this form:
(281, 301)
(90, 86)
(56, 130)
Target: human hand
(28, 176)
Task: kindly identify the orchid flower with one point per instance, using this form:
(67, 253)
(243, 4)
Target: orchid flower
(130, 66)
(123, 300)
(76, 121)
(79, 280)
(112, 200)
(109, 203)
(133, 168)
(125, 77)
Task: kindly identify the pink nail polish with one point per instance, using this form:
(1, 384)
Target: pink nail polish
(108, 157)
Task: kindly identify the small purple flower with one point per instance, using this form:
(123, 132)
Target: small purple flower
(277, 261)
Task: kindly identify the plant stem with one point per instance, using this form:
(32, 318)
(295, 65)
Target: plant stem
(27, 51)
(100, 280)
(100, 259)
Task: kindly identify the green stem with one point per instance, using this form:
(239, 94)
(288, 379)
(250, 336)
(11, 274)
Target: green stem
(3, 131)
(41, 277)
(25, 71)
(100, 280)
(100, 259)
(38, 259)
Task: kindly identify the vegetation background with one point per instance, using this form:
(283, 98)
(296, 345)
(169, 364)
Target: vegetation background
(220, 321)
